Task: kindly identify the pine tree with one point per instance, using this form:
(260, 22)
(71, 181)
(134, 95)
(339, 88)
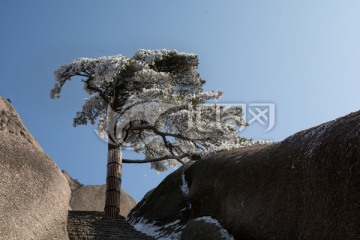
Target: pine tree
(152, 103)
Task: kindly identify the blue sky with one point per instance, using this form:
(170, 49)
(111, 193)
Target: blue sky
(303, 56)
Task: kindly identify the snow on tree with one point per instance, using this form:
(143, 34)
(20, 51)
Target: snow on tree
(152, 103)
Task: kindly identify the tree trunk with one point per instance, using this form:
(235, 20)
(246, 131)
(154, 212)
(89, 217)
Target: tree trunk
(113, 181)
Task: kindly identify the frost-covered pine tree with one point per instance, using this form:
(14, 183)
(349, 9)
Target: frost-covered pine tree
(154, 104)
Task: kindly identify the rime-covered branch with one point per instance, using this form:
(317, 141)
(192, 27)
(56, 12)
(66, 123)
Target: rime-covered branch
(154, 104)
(193, 157)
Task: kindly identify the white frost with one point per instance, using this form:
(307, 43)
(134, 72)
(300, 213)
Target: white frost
(184, 186)
(161, 109)
(158, 232)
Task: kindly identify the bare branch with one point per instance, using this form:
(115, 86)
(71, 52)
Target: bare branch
(191, 156)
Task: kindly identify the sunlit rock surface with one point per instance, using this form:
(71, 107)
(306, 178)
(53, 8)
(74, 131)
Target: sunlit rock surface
(92, 197)
(34, 195)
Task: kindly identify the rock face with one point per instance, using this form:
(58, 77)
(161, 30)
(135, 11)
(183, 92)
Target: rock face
(164, 211)
(92, 197)
(10, 122)
(204, 228)
(305, 187)
(34, 195)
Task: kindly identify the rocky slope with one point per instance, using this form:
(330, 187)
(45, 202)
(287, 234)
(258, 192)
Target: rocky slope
(305, 187)
(92, 197)
(34, 195)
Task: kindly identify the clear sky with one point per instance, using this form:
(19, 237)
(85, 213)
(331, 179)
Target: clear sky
(303, 56)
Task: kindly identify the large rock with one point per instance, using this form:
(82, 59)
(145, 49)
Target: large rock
(204, 228)
(92, 197)
(305, 187)
(34, 195)
(10, 122)
(164, 211)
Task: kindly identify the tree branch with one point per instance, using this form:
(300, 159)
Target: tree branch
(191, 156)
(101, 93)
(163, 134)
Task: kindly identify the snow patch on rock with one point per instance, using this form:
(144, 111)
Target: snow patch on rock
(185, 191)
(224, 233)
(158, 232)
(184, 187)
